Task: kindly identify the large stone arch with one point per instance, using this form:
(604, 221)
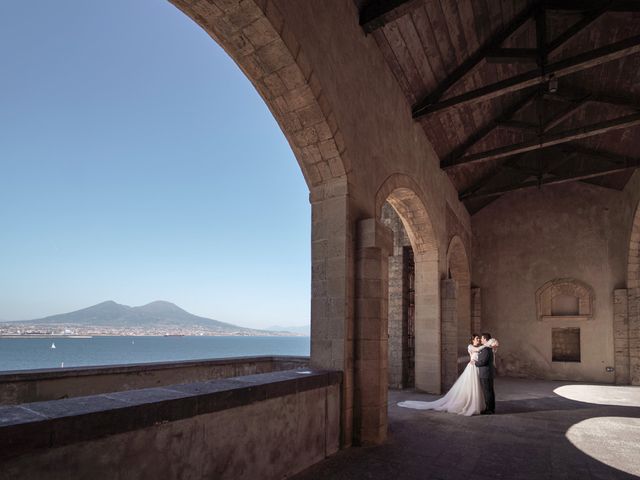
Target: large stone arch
(458, 269)
(254, 35)
(404, 195)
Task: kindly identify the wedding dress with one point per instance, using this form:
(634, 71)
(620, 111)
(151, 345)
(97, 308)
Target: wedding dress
(465, 396)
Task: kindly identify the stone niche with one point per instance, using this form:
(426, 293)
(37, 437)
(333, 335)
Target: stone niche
(565, 299)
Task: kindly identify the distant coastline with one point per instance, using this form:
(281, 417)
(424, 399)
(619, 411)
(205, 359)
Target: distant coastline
(44, 335)
(156, 319)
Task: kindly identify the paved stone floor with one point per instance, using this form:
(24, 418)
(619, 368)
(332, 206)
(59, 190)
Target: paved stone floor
(541, 430)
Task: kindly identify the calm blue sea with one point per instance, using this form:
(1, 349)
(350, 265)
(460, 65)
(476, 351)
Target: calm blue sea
(30, 353)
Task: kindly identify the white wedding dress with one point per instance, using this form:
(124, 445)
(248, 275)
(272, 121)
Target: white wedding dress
(465, 396)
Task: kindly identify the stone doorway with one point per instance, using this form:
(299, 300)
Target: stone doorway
(401, 325)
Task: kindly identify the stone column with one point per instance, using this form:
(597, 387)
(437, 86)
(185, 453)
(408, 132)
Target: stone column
(374, 243)
(621, 336)
(332, 291)
(396, 317)
(427, 323)
(634, 335)
(449, 317)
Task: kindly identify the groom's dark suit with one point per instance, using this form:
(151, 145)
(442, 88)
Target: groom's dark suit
(486, 371)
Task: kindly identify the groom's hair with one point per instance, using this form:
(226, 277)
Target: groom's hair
(487, 336)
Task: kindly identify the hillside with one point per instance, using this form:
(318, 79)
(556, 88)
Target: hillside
(155, 315)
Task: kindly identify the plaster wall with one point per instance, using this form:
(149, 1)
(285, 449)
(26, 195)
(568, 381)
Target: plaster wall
(523, 240)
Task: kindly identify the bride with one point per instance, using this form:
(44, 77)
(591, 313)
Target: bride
(465, 396)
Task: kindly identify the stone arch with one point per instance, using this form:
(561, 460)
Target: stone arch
(254, 35)
(458, 270)
(569, 287)
(630, 363)
(404, 195)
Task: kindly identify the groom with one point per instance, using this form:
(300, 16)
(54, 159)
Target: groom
(485, 372)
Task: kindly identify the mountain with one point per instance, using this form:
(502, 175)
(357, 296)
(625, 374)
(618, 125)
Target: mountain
(299, 329)
(156, 315)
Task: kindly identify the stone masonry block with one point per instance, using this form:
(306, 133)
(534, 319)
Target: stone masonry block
(260, 33)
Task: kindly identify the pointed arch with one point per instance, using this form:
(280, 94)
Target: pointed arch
(256, 37)
(403, 194)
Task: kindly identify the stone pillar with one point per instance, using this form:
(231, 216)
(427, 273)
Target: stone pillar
(621, 336)
(449, 315)
(374, 243)
(634, 335)
(396, 320)
(427, 323)
(332, 291)
(476, 311)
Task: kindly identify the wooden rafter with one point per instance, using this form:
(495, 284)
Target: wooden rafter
(489, 127)
(493, 43)
(569, 95)
(577, 27)
(631, 163)
(377, 13)
(565, 114)
(549, 139)
(561, 68)
(518, 125)
(590, 5)
(512, 55)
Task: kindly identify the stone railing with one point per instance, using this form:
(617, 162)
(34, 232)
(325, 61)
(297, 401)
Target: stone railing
(263, 426)
(40, 385)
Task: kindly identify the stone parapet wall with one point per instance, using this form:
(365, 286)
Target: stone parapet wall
(259, 426)
(42, 385)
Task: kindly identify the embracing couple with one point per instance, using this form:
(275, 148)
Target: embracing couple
(473, 391)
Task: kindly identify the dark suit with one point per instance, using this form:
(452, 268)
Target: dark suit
(486, 372)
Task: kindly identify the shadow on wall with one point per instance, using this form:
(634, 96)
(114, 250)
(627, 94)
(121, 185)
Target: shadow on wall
(533, 365)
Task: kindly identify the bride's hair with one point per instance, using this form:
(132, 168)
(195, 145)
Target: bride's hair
(474, 335)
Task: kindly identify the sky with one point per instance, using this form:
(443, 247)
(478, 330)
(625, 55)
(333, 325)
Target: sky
(138, 163)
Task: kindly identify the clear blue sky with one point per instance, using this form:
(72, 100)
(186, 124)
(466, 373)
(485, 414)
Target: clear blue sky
(138, 163)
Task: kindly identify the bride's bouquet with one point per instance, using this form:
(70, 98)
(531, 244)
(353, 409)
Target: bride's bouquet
(492, 343)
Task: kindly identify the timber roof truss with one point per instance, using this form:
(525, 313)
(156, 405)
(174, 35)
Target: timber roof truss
(547, 95)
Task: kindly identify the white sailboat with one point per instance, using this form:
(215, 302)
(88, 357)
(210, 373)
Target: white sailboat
(53, 345)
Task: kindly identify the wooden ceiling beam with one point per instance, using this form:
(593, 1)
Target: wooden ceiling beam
(570, 95)
(590, 5)
(489, 127)
(547, 140)
(631, 163)
(561, 68)
(577, 27)
(512, 55)
(518, 125)
(377, 13)
(609, 157)
(565, 114)
(494, 42)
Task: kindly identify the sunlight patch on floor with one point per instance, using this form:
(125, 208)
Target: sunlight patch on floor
(601, 394)
(610, 440)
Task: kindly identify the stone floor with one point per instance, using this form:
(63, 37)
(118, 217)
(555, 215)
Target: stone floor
(541, 430)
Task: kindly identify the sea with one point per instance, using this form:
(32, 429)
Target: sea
(37, 353)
